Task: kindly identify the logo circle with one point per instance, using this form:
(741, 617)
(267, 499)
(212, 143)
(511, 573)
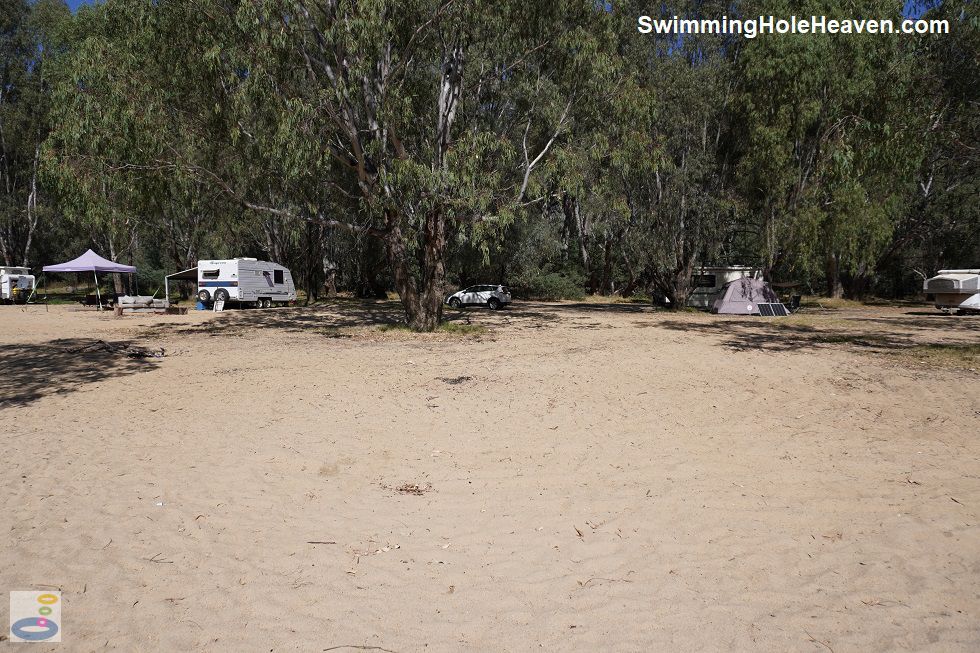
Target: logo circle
(18, 629)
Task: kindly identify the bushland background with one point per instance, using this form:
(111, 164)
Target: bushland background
(417, 145)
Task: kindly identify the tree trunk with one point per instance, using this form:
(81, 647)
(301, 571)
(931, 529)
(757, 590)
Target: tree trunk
(32, 215)
(681, 289)
(370, 261)
(584, 228)
(117, 283)
(835, 289)
(330, 281)
(607, 267)
(423, 307)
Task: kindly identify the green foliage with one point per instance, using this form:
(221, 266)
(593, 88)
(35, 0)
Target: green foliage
(424, 143)
(549, 286)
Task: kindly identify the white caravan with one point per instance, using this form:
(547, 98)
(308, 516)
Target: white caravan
(16, 285)
(959, 289)
(244, 280)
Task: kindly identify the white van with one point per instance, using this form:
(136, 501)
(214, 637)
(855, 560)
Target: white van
(248, 281)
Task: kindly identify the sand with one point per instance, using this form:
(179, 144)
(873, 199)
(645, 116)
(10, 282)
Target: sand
(576, 477)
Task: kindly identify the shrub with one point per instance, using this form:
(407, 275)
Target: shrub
(549, 287)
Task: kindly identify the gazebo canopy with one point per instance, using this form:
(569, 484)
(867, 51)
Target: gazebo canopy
(89, 262)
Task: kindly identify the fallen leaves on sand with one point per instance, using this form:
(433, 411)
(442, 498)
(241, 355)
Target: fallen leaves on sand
(456, 380)
(410, 488)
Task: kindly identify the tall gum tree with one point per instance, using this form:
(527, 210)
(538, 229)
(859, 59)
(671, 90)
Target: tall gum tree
(425, 116)
(30, 44)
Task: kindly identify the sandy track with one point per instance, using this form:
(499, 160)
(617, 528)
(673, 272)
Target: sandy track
(593, 477)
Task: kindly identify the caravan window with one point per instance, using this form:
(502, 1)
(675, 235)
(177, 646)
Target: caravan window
(210, 274)
(277, 276)
(705, 281)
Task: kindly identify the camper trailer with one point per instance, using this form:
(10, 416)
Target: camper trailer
(959, 289)
(247, 281)
(16, 285)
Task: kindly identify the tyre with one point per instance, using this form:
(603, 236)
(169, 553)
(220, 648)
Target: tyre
(493, 303)
(204, 296)
(454, 302)
(266, 303)
(221, 295)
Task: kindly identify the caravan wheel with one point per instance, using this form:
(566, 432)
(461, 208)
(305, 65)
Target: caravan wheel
(221, 295)
(204, 296)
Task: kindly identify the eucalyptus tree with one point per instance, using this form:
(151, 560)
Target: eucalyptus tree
(668, 192)
(30, 42)
(830, 142)
(134, 123)
(426, 118)
(940, 222)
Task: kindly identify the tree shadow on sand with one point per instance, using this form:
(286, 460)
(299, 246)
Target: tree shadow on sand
(327, 318)
(322, 319)
(33, 371)
(870, 333)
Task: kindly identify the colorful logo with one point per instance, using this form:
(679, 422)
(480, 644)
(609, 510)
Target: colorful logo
(35, 616)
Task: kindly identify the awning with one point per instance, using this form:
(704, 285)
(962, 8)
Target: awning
(189, 274)
(89, 262)
(184, 275)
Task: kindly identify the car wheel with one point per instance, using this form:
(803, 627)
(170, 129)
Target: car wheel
(221, 295)
(454, 302)
(204, 296)
(493, 303)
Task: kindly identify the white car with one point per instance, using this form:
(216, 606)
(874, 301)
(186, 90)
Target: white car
(493, 297)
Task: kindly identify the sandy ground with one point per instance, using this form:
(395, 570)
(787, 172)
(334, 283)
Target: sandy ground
(577, 477)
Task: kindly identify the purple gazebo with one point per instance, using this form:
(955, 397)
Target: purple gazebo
(90, 262)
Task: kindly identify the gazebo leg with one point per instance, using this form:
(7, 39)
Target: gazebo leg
(98, 294)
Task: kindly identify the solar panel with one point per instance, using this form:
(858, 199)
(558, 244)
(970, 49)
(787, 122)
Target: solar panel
(772, 310)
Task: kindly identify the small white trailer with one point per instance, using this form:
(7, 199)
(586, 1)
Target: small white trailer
(247, 281)
(959, 289)
(16, 285)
